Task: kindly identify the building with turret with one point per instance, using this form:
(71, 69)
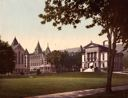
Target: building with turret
(31, 62)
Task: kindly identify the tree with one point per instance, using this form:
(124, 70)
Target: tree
(7, 58)
(64, 61)
(110, 14)
(113, 19)
(55, 59)
(71, 61)
(77, 61)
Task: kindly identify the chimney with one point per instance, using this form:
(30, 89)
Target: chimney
(104, 42)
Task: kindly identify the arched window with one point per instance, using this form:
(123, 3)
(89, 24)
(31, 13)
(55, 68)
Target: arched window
(16, 58)
(19, 57)
(22, 59)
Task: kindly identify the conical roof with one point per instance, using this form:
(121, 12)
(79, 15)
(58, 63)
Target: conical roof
(26, 51)
(47, 51)
(15, 42)
(38, 48)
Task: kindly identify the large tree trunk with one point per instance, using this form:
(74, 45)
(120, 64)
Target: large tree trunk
(109, 74)
(111, 57)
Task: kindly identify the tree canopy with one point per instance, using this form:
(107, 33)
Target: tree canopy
(110, 14)
(7, 58)
(64, 61)
(107, 13)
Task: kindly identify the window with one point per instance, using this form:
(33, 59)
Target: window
(22, 59)
(88, 65)
(95, 56)
(103, 65)
(88, 56)
(19, 57)
(16, 58)
(103, 56)
(91, 56)
(95, 64)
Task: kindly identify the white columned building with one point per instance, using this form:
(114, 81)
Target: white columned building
(95, 57)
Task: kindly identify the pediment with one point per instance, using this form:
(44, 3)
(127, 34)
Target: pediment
(91, 45)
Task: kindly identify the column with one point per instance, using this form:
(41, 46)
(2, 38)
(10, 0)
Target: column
(83, 60)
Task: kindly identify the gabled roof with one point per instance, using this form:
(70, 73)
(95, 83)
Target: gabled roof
(92, 45)
(18, 46)
(38, 48)
(15, 42)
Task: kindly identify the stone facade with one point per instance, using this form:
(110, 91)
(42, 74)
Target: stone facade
(19, 54)
(31, 62)
(96, 56)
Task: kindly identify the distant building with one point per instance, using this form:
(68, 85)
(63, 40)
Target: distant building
(31, 62)
(19, 54)
(95, 56)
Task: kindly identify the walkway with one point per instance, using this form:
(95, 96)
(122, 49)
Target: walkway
(79, 93)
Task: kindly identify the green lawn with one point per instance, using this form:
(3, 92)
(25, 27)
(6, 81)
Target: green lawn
(15, 87)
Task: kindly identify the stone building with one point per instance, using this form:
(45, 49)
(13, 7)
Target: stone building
(31, 62)
(19, 54)
(95, 56)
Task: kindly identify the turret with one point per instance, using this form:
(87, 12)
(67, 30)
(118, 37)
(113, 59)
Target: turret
(47, 51)
(26, 52)
(15, 42)
(38, 48)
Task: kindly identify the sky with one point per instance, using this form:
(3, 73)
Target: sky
(19, 18)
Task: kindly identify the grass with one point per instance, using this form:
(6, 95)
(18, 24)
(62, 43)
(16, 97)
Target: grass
(18, 87)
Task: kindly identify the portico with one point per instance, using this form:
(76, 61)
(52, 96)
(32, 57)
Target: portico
(96, 56)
